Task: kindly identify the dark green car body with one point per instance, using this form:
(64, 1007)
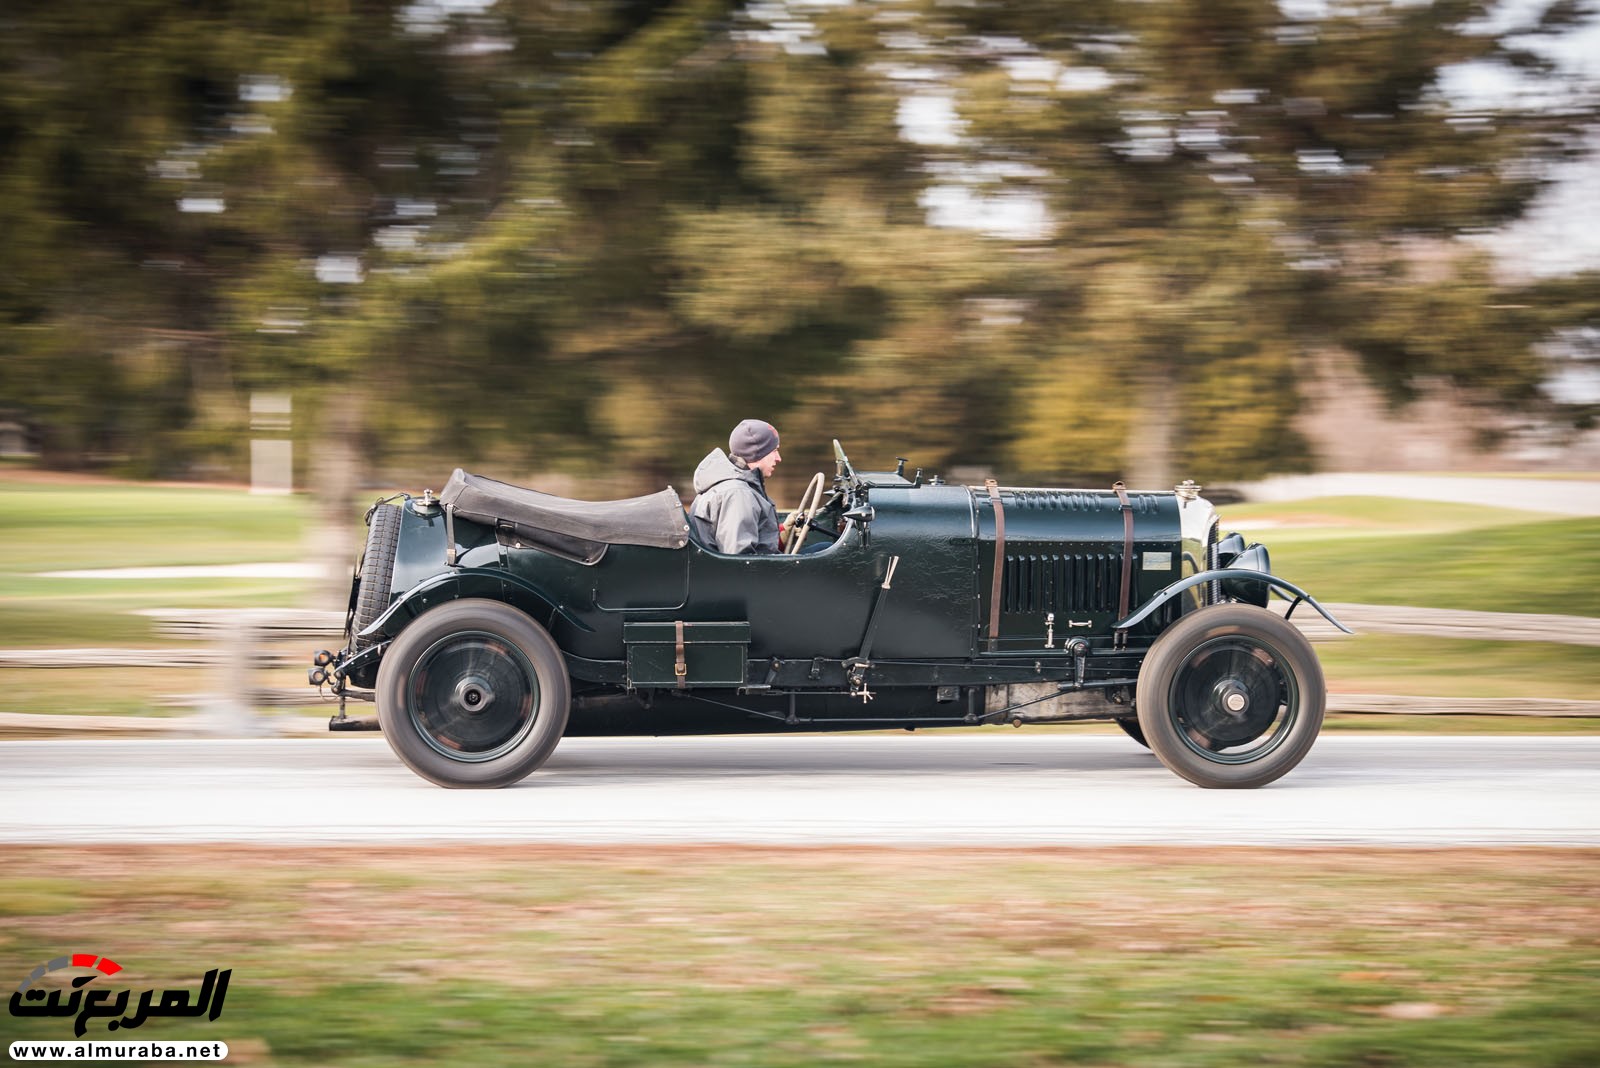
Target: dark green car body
(892, 616)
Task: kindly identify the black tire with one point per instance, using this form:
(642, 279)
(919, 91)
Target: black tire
(473, 694)
(1231, 697)
(377, 570)
(1130, 727)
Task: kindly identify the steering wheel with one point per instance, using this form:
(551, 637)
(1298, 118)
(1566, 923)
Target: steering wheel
(817, 499)
(810, 505)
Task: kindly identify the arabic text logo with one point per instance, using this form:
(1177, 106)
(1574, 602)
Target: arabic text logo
(29, 1000)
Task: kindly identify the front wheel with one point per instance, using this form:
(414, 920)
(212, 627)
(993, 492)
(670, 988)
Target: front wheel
(473, 694)
(1231, 696)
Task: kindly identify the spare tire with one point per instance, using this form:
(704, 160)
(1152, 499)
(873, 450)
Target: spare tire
(376, 572)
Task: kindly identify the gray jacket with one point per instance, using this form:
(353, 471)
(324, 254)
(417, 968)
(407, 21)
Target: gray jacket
(731, 508)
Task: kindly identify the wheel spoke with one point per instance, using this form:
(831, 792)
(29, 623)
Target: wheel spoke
(472, 696)
(1231, 700)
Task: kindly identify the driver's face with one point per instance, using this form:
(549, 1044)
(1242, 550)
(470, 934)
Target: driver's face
(768, 463)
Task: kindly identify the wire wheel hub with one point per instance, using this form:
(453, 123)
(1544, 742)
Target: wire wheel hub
(472, 696)
(1230, 692)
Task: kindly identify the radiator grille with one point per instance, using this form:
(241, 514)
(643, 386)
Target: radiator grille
(1061, 582)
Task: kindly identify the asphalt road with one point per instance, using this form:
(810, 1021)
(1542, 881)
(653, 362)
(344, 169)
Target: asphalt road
(1005, 787)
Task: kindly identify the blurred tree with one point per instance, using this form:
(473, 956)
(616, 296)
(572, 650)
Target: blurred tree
(1232, 184)
(177, 180)
(706, 226)
(590, 237)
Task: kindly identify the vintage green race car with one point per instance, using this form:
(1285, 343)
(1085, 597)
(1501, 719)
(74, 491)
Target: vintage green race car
(490, 621)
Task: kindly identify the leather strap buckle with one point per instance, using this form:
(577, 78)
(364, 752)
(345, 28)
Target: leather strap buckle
(680, 666)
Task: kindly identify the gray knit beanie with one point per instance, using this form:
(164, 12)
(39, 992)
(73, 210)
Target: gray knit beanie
(751, 440)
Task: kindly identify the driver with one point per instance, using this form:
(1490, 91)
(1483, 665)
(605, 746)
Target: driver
(731, 508)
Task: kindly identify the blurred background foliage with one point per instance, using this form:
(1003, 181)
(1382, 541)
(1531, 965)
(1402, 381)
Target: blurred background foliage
(1067, 241)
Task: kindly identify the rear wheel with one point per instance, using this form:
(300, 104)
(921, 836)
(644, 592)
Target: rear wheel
(474, 694)
(1231, 696)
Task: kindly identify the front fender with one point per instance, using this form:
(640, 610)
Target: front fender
(491, 583)
(1273, 582)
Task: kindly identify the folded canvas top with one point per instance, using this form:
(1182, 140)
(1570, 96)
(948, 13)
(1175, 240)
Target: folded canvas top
(656, 520)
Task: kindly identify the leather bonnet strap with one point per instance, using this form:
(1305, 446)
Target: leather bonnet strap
(999, 560)
(1120, 639)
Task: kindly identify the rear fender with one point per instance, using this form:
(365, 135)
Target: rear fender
(489, 583)
(1273, 582)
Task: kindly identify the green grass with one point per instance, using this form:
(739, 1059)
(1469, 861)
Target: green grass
(80, 526)
(57, 527)
(1168, 958)
(1548, 567)
(1384, 551)
(1450, 667)
(1337, 518)
(105, 691)
(32, 896)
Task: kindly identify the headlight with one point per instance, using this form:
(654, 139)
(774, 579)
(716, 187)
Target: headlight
(1253, 558)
